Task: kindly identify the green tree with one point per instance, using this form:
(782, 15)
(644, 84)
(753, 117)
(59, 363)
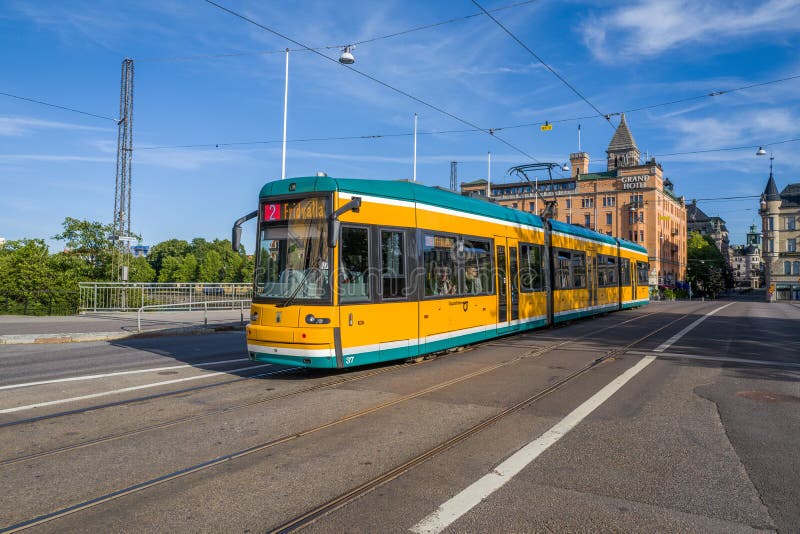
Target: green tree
(141, 271)
(170, 268)
(91, 242)
(188, 269)
(707, 268)
(176, 248)
(211, 269)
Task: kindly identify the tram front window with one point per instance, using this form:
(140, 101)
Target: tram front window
(293, 261)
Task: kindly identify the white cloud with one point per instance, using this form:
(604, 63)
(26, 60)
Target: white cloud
(18, 126)
(652, 27)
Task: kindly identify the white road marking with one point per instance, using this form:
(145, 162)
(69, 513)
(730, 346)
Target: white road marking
(479, 490)
(722, 359)
(668, 343)
(132, 388)
(119, 373)
(470, 497)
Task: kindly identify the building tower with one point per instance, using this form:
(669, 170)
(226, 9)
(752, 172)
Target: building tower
(622, 150)
(770, 208)
(120, 262)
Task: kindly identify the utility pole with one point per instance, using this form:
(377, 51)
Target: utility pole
(120, 262)
(454, 176)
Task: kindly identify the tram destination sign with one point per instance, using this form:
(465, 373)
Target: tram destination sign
(294, 210)
(638, 181)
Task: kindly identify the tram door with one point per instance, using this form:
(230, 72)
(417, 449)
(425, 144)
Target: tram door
(592, 282)
(507, 279)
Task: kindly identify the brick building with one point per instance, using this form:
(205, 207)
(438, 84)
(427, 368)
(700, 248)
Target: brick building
(632, 200)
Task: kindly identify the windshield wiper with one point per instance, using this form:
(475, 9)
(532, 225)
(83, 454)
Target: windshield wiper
(291, 298)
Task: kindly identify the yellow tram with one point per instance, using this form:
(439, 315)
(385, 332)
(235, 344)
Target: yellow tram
(351, 272)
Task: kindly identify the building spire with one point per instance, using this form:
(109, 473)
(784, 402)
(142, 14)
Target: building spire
(771, 191)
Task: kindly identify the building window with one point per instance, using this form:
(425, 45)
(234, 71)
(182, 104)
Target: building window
(641, 236)
(770, 223)
(587, 220)
(569, 219)
(587, 202)
(569, 203)
(609, 202)
(790, 223)
(609, 218)
(787, 267)
(796, 267)
(532, 207)
(791, 245)
(514, 205)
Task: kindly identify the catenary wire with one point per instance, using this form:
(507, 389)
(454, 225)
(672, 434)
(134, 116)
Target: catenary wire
(376, 80)
(336, 47)
(548, 67)
(500, 128)
(59, 107)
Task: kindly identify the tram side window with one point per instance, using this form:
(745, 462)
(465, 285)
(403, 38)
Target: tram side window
(606, 271)
(439, 260)
(578, 269)
(477, 267)
(625, 265)
(642, 271)
(354, 265)
(531, 275)
(562, 264)
(393, 265)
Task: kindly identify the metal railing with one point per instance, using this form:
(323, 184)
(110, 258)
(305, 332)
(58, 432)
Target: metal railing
(114, 296)
(204, 306)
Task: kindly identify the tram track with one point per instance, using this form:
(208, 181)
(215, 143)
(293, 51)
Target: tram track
(308, 517)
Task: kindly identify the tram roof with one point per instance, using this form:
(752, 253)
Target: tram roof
(402, 190)
(414, 192)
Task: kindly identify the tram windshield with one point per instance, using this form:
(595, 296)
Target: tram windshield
(293, 258)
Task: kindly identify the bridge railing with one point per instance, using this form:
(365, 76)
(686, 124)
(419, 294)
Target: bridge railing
(113, 296)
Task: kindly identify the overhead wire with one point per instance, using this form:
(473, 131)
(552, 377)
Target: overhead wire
(333, 47)
(374, 79)
(548, 67)
(59, 107)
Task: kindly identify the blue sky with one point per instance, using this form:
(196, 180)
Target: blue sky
(621, 56)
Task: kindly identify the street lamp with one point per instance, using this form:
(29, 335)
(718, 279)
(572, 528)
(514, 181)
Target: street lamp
(761, 151)
(347, 56)
(565, 168)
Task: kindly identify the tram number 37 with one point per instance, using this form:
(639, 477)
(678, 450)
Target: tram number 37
(349, 359)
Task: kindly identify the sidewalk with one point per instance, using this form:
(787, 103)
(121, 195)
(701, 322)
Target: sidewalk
(21, 329)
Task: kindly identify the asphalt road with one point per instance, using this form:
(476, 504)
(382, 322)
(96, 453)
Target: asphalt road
(183, 434)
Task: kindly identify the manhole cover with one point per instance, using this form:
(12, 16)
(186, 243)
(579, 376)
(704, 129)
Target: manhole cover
(767, 396)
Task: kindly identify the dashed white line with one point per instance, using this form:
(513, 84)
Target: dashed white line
(120, 373)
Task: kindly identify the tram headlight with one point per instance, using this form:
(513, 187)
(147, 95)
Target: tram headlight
(311, 319)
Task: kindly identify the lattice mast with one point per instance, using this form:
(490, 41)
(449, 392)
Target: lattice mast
(122, 192)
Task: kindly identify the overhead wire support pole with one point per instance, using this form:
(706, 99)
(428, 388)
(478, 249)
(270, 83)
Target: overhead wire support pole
(123, 184)
(415, 147)
(285, 109)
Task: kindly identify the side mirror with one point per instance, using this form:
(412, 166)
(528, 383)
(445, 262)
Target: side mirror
(236, 233)
(333, 221)
(236, 238)
(334, 225)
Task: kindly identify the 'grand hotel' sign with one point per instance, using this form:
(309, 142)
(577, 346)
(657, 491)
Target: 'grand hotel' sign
(638, 181)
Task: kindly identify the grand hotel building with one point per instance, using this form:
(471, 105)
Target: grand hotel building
(631, 200)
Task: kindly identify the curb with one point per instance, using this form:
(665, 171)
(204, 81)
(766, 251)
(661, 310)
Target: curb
(38, 339)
